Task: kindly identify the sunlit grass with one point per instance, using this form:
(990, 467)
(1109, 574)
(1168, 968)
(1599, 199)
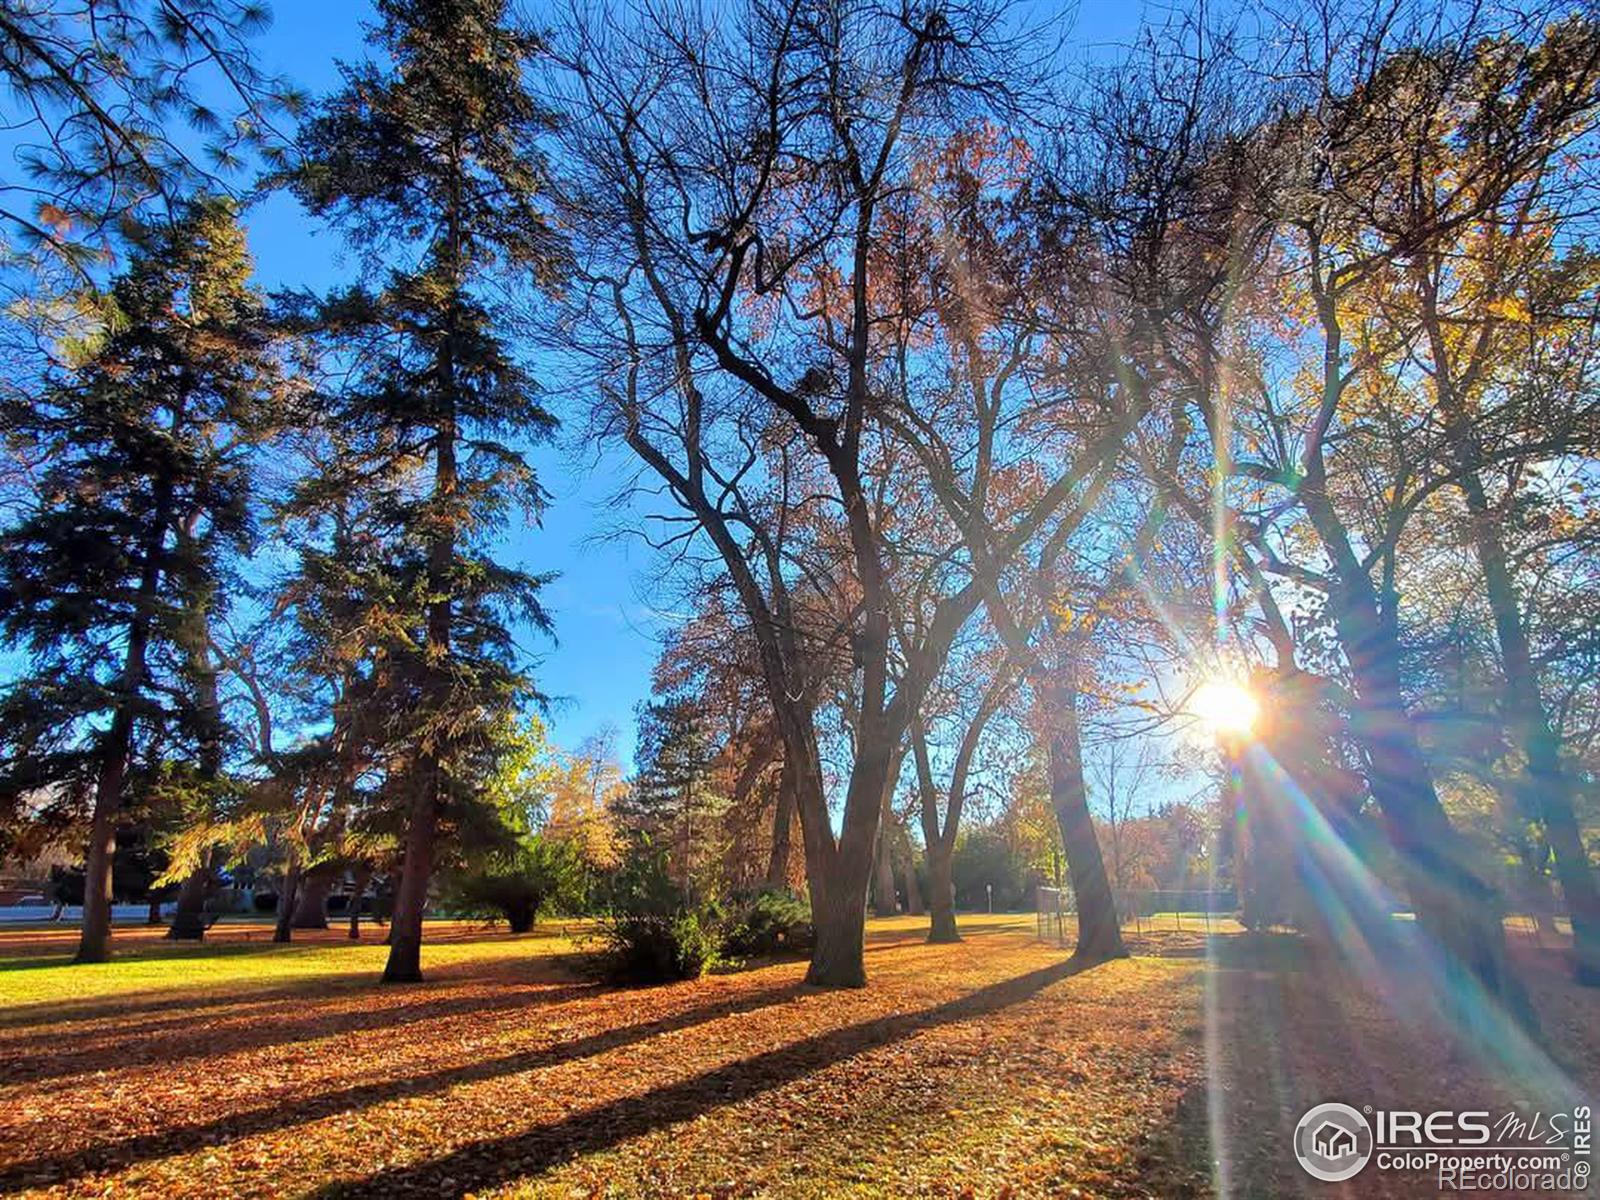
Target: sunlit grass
(36, 966)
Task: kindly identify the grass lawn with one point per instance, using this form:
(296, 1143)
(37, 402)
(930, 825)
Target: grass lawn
(983, 1069)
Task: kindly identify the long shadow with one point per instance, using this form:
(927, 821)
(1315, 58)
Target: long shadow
(500, 1160)
(50, 1013)
(176, 1008)
(883, 941)
(181, 1139)
(336, 980)
(1175, 1157)
(154, 951)
(180, 1045)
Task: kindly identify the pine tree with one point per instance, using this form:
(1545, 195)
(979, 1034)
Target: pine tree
(142, 489)
(114, 113)
(672, 800)
(438, 150)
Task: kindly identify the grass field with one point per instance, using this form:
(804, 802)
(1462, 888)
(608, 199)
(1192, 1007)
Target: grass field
(988, 1068)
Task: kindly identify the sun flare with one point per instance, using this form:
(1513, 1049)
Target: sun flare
(1225, 708)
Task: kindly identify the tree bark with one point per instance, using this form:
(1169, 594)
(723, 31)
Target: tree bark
(1546, 786)
(1455, 906)
(521, 915)
(885, 903)
(914, 904)
(941, 894)
(782, 819)
(189, 916)
(358, 893)
(311, 906)
(153, 917)
(839, 916)
(94, 943)
(1451, 901)
(1099, 930)
(288, 896)
(838, 871)
(411, 901)
(405, 932)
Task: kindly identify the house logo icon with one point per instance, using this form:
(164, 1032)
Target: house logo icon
(1333, 1142)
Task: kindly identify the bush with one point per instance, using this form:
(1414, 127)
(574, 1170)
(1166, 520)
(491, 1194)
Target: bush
(768, 923)
(516, 885)
(651, 932)
(657, 947)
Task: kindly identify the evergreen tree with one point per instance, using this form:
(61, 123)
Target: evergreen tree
(108, 121)
(438, 150)
(142, 488)
(672, 800)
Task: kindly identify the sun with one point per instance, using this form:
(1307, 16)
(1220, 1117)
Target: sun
(1226, 708)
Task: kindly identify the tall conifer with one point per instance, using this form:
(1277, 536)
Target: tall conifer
(142, 488)
(430, 164)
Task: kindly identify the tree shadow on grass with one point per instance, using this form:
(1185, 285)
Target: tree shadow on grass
(177, 1005)
(880, 941)
(1176, 1160)
(141, 952)
(182, 1139)
(176, 1040)
(336, 980)
(498, 1161)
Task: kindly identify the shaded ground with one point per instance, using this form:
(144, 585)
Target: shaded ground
(984, 1069)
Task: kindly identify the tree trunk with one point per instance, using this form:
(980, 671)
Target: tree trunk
(940, 842)
(405, 932)
(311, 906)
(288, 896)
(94, 944)
(1458, 908)
(520, 916)
(782, 819)
(1547, 788)
(839, 916)
(1538, 897)
(941, 894)
(358, 893)
(914, 905)
(839, 870)
(1546, 785)
(1099, 930)
(153, 916)
(405, 926)
(884, 901)
(189, 916)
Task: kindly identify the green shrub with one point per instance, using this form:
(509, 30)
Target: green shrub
(516, 884)
(652, 932)
(657, 947)
(769, 923)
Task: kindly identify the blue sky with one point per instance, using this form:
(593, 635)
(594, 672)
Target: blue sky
(597, 668)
